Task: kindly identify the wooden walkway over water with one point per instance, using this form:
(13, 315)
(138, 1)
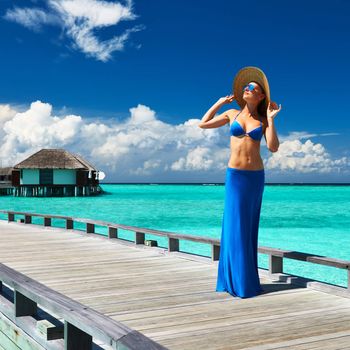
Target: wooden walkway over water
(170, 297)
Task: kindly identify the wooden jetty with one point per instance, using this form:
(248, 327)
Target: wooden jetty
(89, 288)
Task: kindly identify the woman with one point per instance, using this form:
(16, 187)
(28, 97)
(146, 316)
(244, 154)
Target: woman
(245, 179)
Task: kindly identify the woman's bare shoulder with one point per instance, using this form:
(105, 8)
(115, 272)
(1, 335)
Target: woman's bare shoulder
(232, 113)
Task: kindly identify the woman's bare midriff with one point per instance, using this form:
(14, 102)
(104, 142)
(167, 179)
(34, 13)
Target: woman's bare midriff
(245, 153)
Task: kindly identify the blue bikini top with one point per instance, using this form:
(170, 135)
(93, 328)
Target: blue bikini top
(236, 129)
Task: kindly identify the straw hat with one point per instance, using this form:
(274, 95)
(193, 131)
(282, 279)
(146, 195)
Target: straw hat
(243, 77)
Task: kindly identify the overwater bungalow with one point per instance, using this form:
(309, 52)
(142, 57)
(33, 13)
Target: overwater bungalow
(6, 181)
(55, 172)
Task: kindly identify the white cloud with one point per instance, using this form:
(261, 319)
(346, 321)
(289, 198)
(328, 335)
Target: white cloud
(32, 18)
(143, 145)
(140, 145)
(201, 158)
(141, 114)
(95, 12)
(296, 156)
(196, 159)
(6, 113)
(147, 168)
(300, 135)
(80, 19)
(36, 128)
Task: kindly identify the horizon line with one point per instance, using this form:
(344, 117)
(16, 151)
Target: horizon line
(222, 183)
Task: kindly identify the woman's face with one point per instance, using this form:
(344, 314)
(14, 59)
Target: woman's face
(254, 96)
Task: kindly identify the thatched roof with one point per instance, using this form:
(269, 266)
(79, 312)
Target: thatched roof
(54, 159)
(6, 171)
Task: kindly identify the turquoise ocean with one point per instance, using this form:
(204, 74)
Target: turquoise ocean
(311, 218)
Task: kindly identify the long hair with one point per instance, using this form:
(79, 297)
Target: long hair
(261, 107)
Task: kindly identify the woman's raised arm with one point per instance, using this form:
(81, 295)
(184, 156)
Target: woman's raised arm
(209, 122)
(271, 137)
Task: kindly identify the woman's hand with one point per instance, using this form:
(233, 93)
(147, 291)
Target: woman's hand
(226, 99)
(272, 110)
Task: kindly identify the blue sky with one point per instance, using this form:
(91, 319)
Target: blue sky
(124, 84)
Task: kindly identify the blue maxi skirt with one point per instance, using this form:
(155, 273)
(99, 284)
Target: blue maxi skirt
(238, 262)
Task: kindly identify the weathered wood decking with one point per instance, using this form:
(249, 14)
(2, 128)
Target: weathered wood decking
(171, 298)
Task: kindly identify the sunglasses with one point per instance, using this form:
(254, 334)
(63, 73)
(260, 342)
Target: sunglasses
(251, 87)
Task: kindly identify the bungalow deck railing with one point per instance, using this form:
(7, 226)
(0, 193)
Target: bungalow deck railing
(80, 326)
(276, 256)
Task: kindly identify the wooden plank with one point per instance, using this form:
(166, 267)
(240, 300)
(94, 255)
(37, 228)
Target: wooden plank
(112, 232)
(215, 252)
(323, 341)
(90, 227)
(139, 237)
(13, 337)
(266, 250)
(275, 264)
(50, 331)
(189, 326)
(87, 320)
(248, 335)
(69, 224)
(23, 305)
(173, 244)
(47, 221)
(75, 338)
(170, 298)
(314, 258)
(223, 309)
(7, 343)
(317, 259)
(126, 227)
